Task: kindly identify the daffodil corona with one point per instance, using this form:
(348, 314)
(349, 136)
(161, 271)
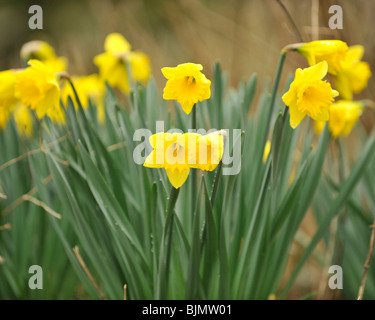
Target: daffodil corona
(177, 153)
(309, 95)
(186, 84)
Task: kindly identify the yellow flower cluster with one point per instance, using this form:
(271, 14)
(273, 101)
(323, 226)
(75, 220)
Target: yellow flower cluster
(177, 153)
(38, 87)
(310, 95)
(118, 65)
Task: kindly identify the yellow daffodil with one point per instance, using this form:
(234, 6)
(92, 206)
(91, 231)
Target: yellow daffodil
(24, 121)
(113, 64)
(140, 66)
(89, 87)
(309, 95)
(177, 153)
(7, 96)
(354, 73)
(37, 88)
(186, 84)
(343, 115)
(266, 152)
(332, 51)
(42, 51)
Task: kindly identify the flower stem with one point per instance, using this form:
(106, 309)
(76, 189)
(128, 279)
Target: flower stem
(274, 91)
(194, 118)
(169, 228)
(340, 236)
(277, 77)
(193, 172)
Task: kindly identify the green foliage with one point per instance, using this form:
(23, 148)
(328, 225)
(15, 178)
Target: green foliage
(133, 228)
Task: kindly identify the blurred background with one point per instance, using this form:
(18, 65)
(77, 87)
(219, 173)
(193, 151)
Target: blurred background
(245, 36)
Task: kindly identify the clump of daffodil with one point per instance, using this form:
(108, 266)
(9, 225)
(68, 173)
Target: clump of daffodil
(42, 51)
(343, 115)
(354, 74)
(177, 153)
(24, 121)
(37, 87)
(89, 88)
(332, 51)
(186, 84)
(118, 62)
(309, 94)
(7, 96)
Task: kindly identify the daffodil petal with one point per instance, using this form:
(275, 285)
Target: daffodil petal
(296, 116)
(116, 44)
(177, 178)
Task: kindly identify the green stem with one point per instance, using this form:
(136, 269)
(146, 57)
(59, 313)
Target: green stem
(193, 172)
(340, 236)
(277, 77)
(75, 93)
(216, 183)
(169, 226)
(194, 117)
(274, 91)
